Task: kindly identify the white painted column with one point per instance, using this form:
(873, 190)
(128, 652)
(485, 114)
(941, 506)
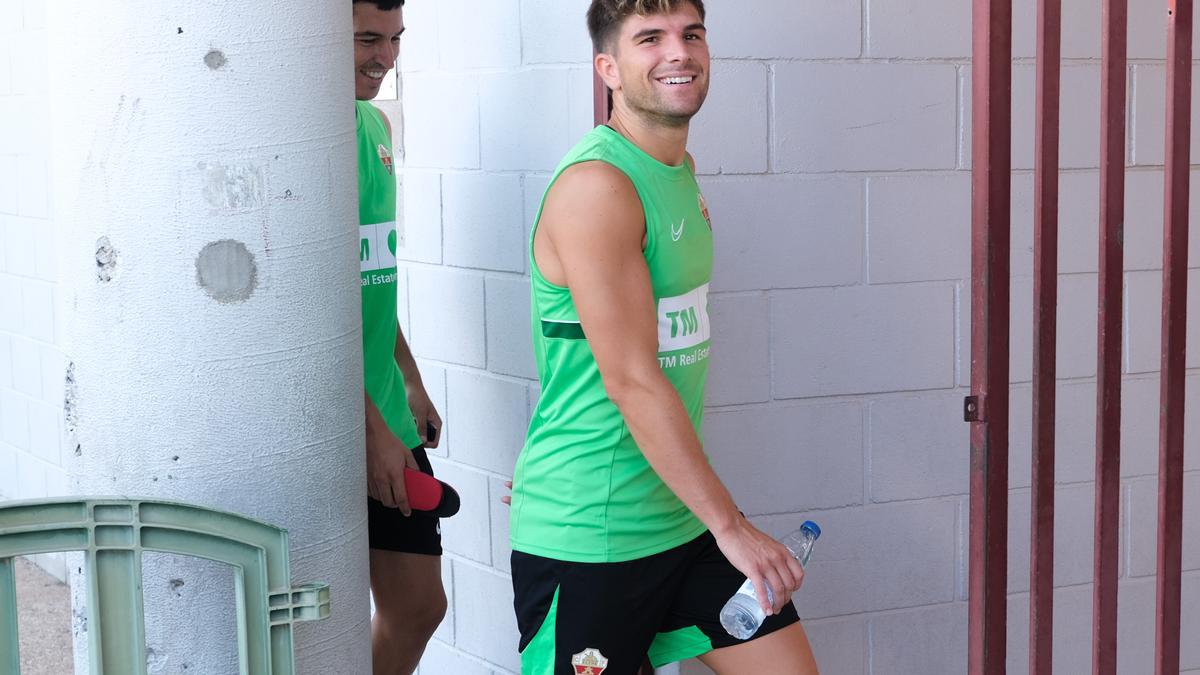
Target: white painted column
(205, 188)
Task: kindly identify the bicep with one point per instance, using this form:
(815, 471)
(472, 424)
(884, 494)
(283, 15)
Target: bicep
(596, 225)
(615, 301)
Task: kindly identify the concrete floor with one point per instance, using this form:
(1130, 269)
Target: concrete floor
(44, 619)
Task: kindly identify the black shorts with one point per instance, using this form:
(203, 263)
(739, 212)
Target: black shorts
(390, 530)
(666, 606)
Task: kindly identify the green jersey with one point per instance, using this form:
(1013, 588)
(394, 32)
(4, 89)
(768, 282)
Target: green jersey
(377, 261)
(582, 490)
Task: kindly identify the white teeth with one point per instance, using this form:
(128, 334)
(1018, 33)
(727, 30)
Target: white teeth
(375, 74)
(676, 80)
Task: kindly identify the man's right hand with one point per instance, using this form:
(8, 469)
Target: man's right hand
(763, 560)
(386, 458)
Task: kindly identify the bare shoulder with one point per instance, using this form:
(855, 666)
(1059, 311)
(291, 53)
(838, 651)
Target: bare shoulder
(593, 193)
(387, 123)
(594, 177)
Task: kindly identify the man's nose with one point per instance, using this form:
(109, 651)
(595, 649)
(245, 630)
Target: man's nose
(677, 49)
(388, 53)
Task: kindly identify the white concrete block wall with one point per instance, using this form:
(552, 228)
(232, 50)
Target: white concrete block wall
(835, 154)
(32, 368)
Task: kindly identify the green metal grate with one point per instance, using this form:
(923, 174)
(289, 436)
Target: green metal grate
(113, 534)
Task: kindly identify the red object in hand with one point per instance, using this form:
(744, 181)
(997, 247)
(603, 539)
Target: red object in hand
(428, 494)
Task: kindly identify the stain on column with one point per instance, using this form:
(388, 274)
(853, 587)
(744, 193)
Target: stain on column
(232, 187)
(226, 270)
(106, 260)
(215, 59)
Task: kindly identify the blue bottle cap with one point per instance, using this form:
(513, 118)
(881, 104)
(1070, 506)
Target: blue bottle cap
(812, 527)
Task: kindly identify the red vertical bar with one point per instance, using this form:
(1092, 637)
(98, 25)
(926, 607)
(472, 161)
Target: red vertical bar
(988, 408)
(1108, 379)
(1174, 315)
(1045, 305)
(601, 99)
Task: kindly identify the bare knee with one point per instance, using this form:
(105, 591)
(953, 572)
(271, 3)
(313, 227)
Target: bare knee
(409, 598)
(430, 614)
(418, 614)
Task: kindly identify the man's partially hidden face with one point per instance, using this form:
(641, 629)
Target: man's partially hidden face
(376, 46)
(663, 64)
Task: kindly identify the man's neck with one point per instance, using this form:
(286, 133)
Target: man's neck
(667, 144)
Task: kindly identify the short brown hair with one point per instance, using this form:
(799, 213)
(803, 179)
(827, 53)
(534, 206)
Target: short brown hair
(604, 17)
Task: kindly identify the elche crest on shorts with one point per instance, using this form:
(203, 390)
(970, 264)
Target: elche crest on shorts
(589, 662)
(385, 158)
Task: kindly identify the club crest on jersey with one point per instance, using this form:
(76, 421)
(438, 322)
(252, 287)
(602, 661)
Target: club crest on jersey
(385, 158)
(589, 662)
(704, 209)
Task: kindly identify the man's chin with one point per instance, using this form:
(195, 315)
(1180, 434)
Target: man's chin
(680, 116)
(366, 93)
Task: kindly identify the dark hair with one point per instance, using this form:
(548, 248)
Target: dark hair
(604, 17)
(383, 5)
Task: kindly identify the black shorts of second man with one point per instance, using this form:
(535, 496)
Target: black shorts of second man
(390, 530)
(613, 615)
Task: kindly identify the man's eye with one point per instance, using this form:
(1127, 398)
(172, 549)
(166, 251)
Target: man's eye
(649, 40)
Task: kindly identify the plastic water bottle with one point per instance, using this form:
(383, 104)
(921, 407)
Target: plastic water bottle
(742, 616)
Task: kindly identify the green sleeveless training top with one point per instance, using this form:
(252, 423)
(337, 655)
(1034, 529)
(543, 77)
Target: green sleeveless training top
(377, 262)
(582, 490)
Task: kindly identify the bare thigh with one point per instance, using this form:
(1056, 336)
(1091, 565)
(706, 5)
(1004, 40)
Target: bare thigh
(784, 652)
(406, 583)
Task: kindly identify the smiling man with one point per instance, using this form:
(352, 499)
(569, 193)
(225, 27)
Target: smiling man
(626, 544)
(406, 546)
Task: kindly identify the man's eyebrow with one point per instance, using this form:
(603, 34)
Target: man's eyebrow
(647, 33)
(373, 34)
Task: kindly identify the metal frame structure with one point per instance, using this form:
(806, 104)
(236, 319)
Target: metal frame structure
(1174, 318)
(987, 406)
(1045, 305)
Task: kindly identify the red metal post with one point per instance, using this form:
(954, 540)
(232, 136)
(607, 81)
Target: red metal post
(1108, 380)
(1174, 316)
(987, 408)
(1045, 305)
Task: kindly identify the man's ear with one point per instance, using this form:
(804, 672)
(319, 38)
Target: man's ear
(606, 66)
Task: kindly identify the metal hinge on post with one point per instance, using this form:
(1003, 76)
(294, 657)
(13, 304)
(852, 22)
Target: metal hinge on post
(973, 409)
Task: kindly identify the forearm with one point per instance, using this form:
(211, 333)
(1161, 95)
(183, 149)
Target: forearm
(405, 360)
(663, 431)
(374, 419)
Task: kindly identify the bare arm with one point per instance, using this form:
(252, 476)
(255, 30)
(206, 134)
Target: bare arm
(429, 423)
(386, 458)
(590, 239)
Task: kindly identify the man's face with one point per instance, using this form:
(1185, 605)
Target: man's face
(376, 46)
(663, 64)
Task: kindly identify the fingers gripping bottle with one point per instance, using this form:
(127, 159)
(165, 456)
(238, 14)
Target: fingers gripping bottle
(742, 616)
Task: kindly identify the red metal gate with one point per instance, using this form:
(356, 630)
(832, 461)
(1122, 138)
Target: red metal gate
(987, 406)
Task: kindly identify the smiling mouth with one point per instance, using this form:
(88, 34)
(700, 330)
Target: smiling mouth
(681, 79)
(373, 74)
